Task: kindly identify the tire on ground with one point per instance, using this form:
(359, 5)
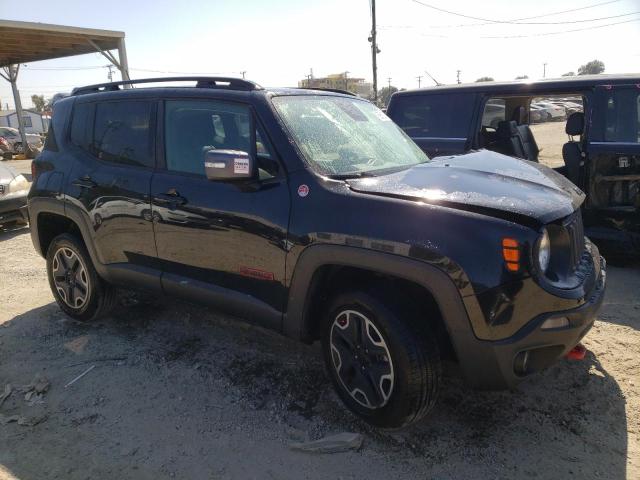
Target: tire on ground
(101, 296)
(414, 354)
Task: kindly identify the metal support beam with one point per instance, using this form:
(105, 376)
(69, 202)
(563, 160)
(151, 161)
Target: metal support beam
(124, 63)
(12, 78)
(121, 64)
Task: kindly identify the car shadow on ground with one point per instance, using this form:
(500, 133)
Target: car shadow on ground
(11, 231)
(171, 379)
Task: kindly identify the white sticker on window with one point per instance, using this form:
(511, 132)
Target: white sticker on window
(241, 166)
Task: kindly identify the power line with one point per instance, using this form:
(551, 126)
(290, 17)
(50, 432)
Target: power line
(491, 21)
(593, 27)
(544, 34)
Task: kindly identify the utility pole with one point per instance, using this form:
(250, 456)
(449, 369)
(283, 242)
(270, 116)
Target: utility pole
(110, 74)
(544, 70)
(389, 80)
(374, 51)
(458, 76)
(243, 72)
(419, 77)
(346, 81)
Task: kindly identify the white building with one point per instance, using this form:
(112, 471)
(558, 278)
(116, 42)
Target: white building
(34, 122)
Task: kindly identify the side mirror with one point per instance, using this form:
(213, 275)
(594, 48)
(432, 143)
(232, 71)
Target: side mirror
(229, 165)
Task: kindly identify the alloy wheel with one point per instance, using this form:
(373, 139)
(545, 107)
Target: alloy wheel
(70, 277)
(361, 359)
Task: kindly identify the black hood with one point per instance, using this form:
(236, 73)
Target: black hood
(484, 182)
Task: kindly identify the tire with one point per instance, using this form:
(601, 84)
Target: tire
(67, 254)
(402, 389)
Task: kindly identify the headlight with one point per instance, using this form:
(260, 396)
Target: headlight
(544, 251)
(17, 184)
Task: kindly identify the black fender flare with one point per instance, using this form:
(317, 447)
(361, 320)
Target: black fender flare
(475, 357)
(40, 205)
(297, 322)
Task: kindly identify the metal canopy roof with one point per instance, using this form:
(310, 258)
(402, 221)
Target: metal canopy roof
(24, 42)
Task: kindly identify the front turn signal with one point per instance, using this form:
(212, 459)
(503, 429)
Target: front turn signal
(511, 254)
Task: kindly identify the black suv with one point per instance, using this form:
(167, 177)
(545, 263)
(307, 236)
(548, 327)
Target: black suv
(312, 213)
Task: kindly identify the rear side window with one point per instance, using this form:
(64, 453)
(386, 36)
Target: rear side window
(122, 134)
(621, 115)
(81, 126)
(440, 115)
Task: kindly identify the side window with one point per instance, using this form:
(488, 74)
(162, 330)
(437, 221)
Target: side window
(622, 115)
(440, 115)
(494, 112)
(82, 125)
(121, 133)
(193, 126)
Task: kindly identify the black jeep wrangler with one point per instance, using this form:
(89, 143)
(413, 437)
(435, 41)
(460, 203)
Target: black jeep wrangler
(312, 213)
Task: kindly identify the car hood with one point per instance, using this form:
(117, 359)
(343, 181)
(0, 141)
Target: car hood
(483, 182)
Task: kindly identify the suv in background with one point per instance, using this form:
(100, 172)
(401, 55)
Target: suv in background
(312, 213)
(599, 149)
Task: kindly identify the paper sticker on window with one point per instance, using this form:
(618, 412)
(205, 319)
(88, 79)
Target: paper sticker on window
(241, 166)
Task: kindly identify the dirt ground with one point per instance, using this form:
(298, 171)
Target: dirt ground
(180, 392)
(550, 137)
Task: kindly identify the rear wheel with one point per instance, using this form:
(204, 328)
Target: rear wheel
(75, 284)
(382, 358)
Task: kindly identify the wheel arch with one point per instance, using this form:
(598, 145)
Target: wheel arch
(50, 217)
(317, 265)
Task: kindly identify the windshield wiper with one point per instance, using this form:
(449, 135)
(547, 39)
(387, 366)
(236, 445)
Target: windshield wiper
(346, 176)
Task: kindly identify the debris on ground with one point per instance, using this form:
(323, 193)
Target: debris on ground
(80, 376)
(340, 442)
(78, 344)
(6, 394)
(34, 391)
(22, 421)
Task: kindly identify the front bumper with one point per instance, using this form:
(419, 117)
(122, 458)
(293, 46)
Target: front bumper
(13, 209)
(499, 364)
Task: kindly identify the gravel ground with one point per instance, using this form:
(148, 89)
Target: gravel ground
(180, 392)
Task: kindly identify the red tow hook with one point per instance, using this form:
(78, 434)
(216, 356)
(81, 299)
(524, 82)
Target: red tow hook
(577, 353)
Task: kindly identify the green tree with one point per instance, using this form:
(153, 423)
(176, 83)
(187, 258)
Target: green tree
(384, 95)
(485, 79)
(591, 68)
(522, 77)
(569, 74)
(39, 102)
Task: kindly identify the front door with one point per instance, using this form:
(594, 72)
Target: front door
(223, 243)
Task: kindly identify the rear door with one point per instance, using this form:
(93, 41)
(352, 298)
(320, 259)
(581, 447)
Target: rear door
(613, 148)
(223, 243)
(440, 123)
(109, 184)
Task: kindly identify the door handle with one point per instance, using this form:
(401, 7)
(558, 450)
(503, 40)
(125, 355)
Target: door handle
(171, 197)
(84, 182)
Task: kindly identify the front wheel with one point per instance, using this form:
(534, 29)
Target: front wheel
(382, 358)
(74, 282)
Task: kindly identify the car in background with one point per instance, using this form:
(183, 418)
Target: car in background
(12, 137)
(14, 188)
(537, 114)
(551, 111)
(5, 149)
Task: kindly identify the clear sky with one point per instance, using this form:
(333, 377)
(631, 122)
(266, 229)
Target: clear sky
(278, 41)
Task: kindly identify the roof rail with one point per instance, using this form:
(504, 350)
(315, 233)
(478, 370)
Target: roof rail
(229, 83)
(334, 90)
